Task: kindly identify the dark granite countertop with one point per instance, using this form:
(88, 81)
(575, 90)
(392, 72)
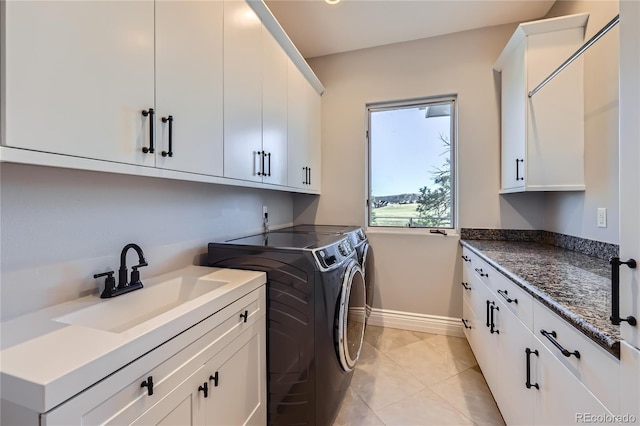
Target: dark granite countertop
(575, 286)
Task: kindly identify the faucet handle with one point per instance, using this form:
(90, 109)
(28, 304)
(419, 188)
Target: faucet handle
(135, 274)
(109, 273)
(109, 284)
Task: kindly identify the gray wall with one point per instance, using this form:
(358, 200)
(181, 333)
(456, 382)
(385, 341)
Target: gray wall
(575, 213)
(419, 273)
(58, 227)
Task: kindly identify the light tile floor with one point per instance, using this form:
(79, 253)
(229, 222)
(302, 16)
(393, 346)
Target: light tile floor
(414, 379)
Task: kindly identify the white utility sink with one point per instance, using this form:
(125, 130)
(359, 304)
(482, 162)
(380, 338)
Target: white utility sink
(128, 310)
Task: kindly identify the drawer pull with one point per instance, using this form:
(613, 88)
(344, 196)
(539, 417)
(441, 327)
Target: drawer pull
(481, 272)
(464, 322)
(466, 286)
(466, 258)
(530, 385)
(148, 384)
(214, 377)
(505, 295)
(493, 329)
(552, 338)
(204, 389)
(244, 316)
(615, 263)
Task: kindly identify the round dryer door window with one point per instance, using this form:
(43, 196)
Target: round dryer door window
(351, 316)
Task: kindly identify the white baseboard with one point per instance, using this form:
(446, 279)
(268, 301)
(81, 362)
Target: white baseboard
(416, 322)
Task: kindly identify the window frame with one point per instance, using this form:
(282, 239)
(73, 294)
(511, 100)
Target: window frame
(405, 104)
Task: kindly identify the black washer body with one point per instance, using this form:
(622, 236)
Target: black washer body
(305, 381)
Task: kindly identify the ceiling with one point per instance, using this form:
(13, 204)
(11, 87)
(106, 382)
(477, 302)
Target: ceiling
(319, 29)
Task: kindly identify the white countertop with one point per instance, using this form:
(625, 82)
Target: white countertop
(43, 362)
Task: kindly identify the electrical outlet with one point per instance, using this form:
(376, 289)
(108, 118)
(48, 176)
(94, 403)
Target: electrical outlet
(602, 217)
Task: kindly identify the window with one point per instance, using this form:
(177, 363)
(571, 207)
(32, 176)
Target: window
(411, 163)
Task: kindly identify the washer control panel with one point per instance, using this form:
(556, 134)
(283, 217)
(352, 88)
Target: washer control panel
(332, 256)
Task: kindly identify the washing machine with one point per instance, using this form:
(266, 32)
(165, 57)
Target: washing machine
(315, 318)
(358, 239)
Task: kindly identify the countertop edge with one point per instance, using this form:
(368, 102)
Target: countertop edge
(605, 341)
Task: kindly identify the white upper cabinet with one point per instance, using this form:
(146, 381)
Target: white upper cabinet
(304, 132)
(192, 90)
(242, 91)
(77, 77)
(274, 111)
(543, 135)
(189, 86)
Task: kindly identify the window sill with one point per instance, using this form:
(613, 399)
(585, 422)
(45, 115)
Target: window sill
(411, 231)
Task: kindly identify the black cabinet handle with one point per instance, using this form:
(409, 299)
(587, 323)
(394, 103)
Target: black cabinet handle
(170, 152)
(148, 384)
(528, 384)
(309, 181)
(269, 164)
(204, 389)
(466, 258)
(518, 161)
(214, 377)
(464, 322)
(615, 263)
(481, 272)
(150, 113)
(552, 338)
(244, 316)
(261, 159)
(306, 176)
(505, 296)
(465, 285)
(488, 324)
(493, 328)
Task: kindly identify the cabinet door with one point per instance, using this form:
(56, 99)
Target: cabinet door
(314, 142)
(242, 91)
(189, 86)
(484, 343)
(508, 385)
(274, 110)
(182, 406)
(514, 126)
(304, 131)
(77, 77)
(237, 381)
(561, 399)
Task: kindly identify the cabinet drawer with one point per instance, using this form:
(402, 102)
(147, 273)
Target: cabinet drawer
(476, 267)
(596, 368)
(120, 397)
(514, 298)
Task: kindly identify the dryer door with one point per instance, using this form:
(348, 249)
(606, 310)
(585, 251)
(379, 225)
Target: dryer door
(351, 316)
(366, 264)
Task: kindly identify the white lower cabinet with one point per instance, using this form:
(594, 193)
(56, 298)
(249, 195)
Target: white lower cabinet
(561, 398)
(218, 379)
(532, 382)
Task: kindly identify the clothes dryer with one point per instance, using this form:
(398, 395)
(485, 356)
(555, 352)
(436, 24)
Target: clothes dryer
(358, 239)
(315, 319)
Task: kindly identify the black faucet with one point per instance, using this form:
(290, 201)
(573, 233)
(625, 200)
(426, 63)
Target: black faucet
(110, 289)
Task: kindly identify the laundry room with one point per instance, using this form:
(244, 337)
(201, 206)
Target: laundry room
(169, 219)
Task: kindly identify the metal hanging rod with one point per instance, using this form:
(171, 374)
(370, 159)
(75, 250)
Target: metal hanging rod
(578, 52)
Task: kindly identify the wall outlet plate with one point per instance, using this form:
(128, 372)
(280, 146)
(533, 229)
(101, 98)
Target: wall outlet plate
(602, 217)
